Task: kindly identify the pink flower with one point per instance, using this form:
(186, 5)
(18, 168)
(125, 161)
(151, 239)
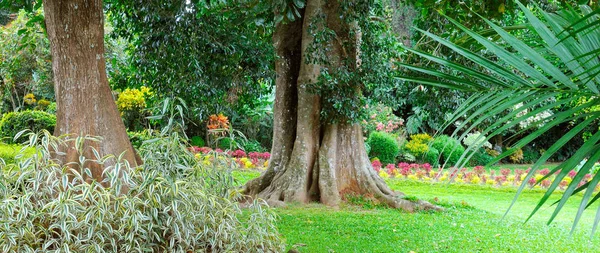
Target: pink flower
(479, 170)
(238, 153)
(544, 172)
(545, 183)
(531, 182)
(391, 169)
(379, 126)
(572, 173)
(505, 172)
(376, 165)
(266, 155)
(405, 171)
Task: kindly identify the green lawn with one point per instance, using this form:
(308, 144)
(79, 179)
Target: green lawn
(471, 222)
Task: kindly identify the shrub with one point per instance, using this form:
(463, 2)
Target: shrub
(227, 143)
(516, 157)
(141, 210)
(253, 146)
(383, 146)
(197, 141)
(418, 144)
(137, 138)
(530, 155)
(9, 153)
(450, 149)
(432, 156)
(481, 157)
(132, 103)
(14, 122)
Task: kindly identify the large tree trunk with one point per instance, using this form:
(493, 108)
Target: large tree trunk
(85, 105)
(311, 160)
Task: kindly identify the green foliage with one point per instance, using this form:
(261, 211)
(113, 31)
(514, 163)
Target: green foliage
(227, 143)
(432, 156)
(197, 141)
(481, 157)
(15, 153)
(383, 146)
(253, 146)
(530, 155)
(139, 137)
(14, 122)
(152, 209)
(450, 148)
(25, 62)
(215, 55)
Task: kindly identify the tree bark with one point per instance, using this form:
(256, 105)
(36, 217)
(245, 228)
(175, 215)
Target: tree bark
(312, 160)
(85, 105)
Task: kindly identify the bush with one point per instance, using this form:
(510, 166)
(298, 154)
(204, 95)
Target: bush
(192, 209)
(8, 153)
(138, 138)
(516, 157)
(481, 157)
(227, 143)
(383, 146)
(253, 146)
(432, 156)
(530, 155)
(197, 141)
(450, 148)
(418, 144)
(14, 122)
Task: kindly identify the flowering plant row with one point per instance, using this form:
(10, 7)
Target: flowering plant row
(240, 159)
(477, 175)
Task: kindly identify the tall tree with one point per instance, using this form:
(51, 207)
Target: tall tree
(317, 158)
(85, 105)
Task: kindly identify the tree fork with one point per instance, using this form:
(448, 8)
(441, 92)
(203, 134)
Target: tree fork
(312, 161)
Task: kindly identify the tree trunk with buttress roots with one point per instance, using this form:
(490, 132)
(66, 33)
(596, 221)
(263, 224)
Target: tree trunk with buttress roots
(312, 160)
(85, 105)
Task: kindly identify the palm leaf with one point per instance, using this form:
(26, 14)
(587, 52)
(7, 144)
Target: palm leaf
(564, 72)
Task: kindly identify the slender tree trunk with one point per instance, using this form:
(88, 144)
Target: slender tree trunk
(85, 105)
(311, 160)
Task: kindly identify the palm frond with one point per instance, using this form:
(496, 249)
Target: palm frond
(523, 81)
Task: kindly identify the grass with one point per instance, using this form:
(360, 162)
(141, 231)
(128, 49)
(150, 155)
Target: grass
(471, 222)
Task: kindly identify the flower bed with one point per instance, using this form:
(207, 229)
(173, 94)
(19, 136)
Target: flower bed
(477, 175)
(240, 159)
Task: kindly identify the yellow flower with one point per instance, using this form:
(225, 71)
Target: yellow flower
(490, 182)
(444, 178)
(505, 183)
(29, 99)
(412, 177)
(510, 178)
(459, 180)
(475, 180)
(248, 165)
(206, 162)
(567, 179)
(383, 174)
(266, 164)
